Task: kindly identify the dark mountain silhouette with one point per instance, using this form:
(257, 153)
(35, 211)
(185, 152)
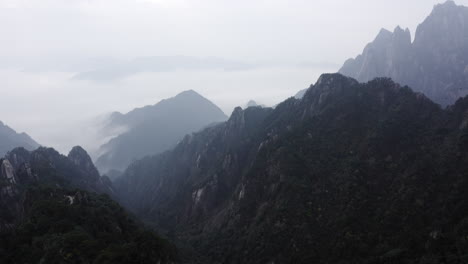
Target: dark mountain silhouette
(435, 63)
(154, 129)
(351, 173)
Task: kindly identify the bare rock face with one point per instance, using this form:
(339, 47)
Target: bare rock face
(8, 172)
(434, 64)
(8, 178)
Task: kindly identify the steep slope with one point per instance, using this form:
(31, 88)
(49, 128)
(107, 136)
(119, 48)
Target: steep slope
(51, 212)
(9, 140)
(351, 173)
(154, 129)
(436, 63)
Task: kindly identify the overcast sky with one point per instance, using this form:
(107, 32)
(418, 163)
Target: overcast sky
(64, 62)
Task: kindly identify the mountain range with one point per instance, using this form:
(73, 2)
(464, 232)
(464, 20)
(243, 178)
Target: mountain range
(435, 63)
(10, 139)
(156, 128)
(351, 173)
(369, 165)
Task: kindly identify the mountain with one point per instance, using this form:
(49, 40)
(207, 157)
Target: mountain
(351, 173)
(54, 210)
(154, 129)
(9, 140)
(300, 94)
(435, 63)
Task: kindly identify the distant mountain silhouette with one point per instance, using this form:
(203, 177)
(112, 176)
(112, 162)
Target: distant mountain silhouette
(10, 139)
(435, 63)
(156, 128)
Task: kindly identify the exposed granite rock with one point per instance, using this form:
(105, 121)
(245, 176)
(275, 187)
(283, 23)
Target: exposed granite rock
(434, 63)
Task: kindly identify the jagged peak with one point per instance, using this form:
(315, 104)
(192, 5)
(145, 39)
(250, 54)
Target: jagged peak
(446, 4)
(400, 31)
(446, 7)
(78, 151)
(238, 111)
(384, 34)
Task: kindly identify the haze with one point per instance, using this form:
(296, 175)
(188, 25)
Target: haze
(63, 64)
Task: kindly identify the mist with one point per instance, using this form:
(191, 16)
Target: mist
(64, 65)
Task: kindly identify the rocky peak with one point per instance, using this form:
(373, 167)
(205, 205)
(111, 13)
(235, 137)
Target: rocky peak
(448, 5)
(402, 37)
(80, 158)
(237, 118)
(383, 37)
(433, 64)
(444, 28)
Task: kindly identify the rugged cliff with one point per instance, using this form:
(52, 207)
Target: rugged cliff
(435, 63)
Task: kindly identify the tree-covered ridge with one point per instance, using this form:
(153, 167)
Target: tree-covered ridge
(75, 226)
(56, 209)
(351, 173)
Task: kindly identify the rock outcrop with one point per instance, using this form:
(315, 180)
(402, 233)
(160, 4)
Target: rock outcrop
(434, 63)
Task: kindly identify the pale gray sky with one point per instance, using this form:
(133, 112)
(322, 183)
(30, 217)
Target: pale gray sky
(63, 62)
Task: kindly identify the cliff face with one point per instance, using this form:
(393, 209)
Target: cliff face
(352, 173)
(436, 63)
